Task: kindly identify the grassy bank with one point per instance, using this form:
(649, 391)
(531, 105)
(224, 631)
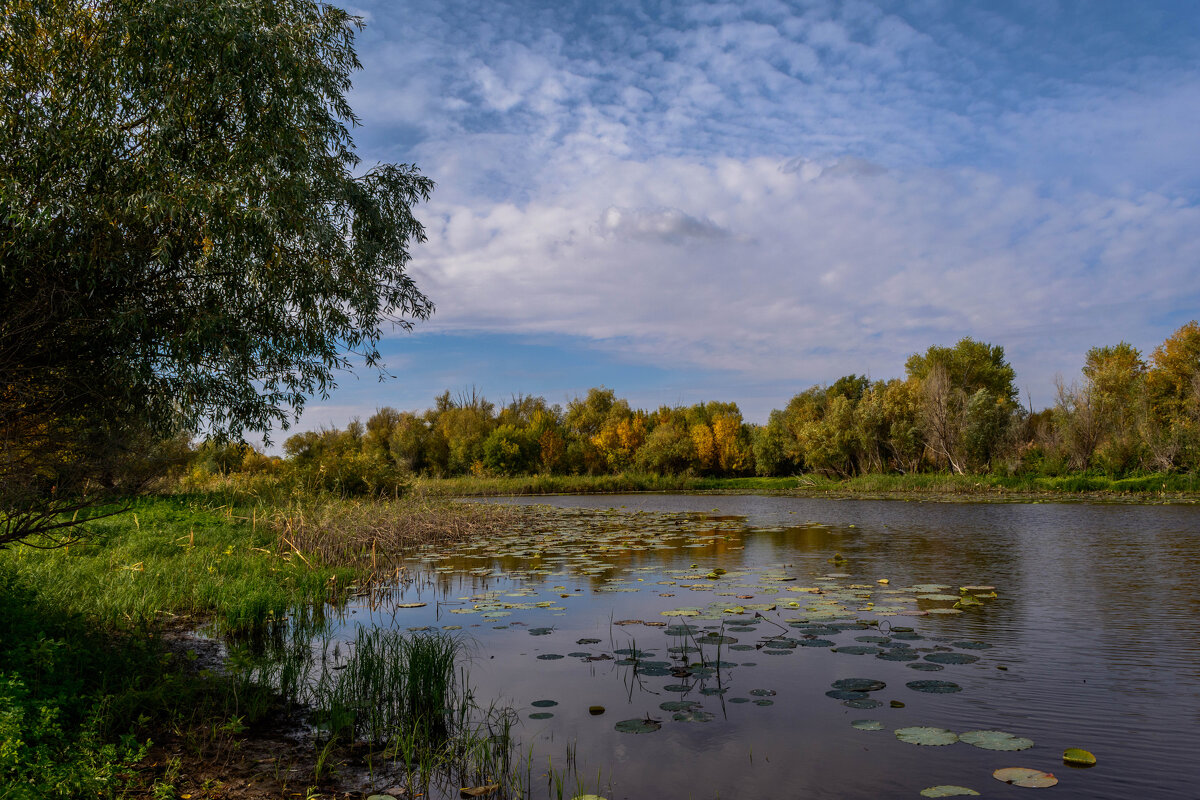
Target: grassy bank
(102, 695)
(1149, 488)
(469, 486)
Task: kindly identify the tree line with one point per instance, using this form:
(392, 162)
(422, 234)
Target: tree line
(956, 409)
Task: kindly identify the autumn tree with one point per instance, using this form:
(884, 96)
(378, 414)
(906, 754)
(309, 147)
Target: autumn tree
(1173, 395)
(969, 400)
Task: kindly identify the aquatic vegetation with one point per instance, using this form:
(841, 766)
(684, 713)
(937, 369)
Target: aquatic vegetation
(923, 735)
(1023, 776)
(1075, 757)
(995, 740)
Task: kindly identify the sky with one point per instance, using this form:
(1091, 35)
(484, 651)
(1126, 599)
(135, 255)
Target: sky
(700, 201)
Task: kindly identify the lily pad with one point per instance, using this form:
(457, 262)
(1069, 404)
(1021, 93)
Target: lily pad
(549, 656)
(951, 658)
(1076, 757)
(544, 703)
(859, 684)
(934, 687)
(842, 694)
(540, 631)
(541, 715)
(640, 725)
(862, 703)
(679, 705)
(763, 692)
(948, 790)
(694, 716)
(409, 605)
(1023, 776)
(996, 740)
(858, 650)
(925, 666)
(933, 737)
(867, 724)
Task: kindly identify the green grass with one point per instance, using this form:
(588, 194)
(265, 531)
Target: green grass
(469, 486)
(921, 484)
(179, 557)
(86, 683)
(1147, 487)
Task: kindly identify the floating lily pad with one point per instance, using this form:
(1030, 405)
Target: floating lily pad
(763, 692)
(739, 699)
(680, 630)
(762, 701)
(709, 691)
(862, 703)
(693, 716)
(996, 740)
(677, 687)
(859, 684)
(934, 687)
(951, 658)
(541, 715)
(925, 666)
(409, 605)
(1076, 757)
(898, 655)
(640, 725)
(842, 694)
(713, 638)
(679, 705)
(867, 725)
(858, 650)
(972, 645)
(540, 631)
(587, 641)
(544, 703)
(1023, 776)
(933, 737)
(948, 790)
(549, 656)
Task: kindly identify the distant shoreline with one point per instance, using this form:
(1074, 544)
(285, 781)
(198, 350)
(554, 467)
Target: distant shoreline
(1149, 489)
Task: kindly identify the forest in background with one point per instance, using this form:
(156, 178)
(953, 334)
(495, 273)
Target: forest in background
(956, 409)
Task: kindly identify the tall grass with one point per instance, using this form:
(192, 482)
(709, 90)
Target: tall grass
(390, 683)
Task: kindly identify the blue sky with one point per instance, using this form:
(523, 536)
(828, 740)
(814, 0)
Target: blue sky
(734, 201)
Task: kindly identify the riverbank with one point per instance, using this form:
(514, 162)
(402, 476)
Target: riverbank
(106, 692)
(1155, 488)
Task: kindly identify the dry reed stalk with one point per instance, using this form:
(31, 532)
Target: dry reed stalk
(371, 533)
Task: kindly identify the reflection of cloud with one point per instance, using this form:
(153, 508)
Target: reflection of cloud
(667, 224)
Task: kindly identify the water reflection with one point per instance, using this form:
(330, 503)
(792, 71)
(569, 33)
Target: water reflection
(1091, 635)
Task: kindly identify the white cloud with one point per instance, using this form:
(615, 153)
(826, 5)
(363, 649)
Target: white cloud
(793, 192)
(768, 272)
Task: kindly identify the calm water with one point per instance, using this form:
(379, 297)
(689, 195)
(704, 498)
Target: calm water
(1093, 643)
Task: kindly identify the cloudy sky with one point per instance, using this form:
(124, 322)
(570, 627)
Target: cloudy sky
(689, 201)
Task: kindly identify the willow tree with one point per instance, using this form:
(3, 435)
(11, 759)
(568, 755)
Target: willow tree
(187, 240)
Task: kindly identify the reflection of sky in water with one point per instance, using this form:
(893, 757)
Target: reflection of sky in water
(1093, 623)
